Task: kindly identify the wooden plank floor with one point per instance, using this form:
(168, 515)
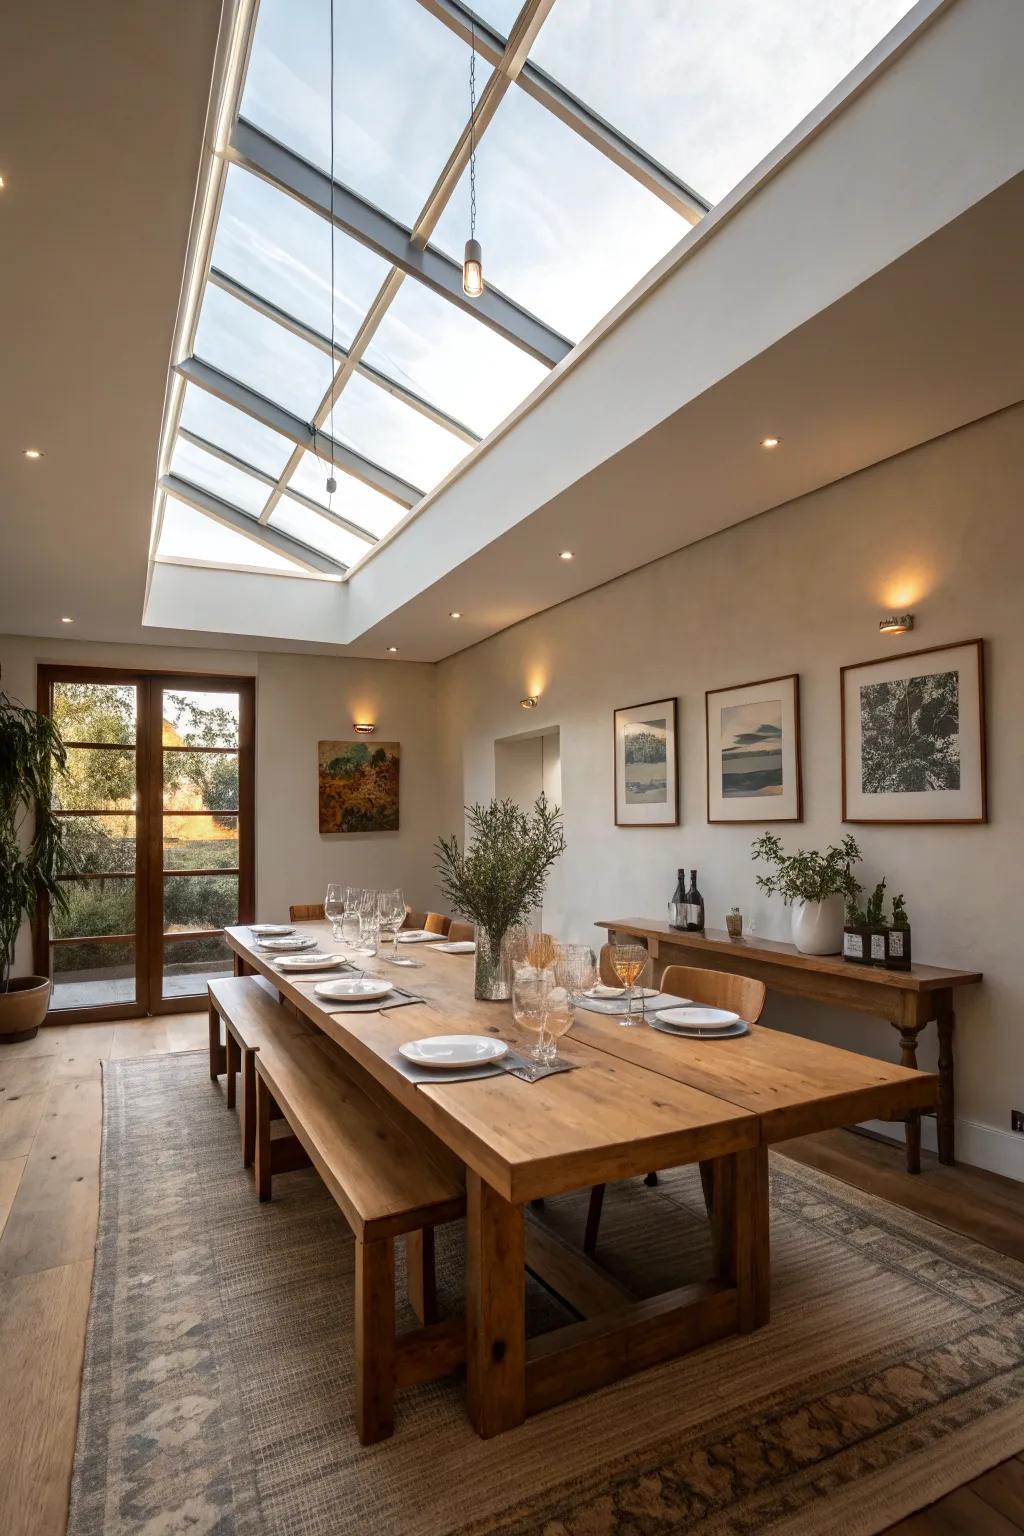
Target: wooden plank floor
(50, 1115)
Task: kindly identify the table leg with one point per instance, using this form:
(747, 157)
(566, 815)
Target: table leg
(946, 1119)
(736, 1195)
(908, 1058)
(495, 1310)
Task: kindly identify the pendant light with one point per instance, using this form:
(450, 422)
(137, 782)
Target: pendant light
(473, 262)
(331, 484)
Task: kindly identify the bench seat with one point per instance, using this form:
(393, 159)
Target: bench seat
(252, 1014)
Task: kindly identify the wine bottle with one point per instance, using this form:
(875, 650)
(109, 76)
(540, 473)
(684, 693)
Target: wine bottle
(694, 906)
(677, 906)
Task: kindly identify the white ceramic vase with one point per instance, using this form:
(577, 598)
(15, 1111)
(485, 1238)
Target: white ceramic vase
(818, 926)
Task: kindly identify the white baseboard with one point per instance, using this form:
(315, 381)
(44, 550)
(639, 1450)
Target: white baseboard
(981, 1146)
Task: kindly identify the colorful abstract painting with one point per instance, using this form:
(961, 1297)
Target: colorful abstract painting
(358, 786)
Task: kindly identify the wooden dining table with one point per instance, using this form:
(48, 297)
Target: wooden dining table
(637, 1101)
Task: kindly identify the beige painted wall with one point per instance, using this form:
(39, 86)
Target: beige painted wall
(801, 589)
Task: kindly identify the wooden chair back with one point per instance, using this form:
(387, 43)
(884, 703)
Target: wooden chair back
(460, 933)
(716, 989)
(436, 922)
(312, 912)
(413, 919)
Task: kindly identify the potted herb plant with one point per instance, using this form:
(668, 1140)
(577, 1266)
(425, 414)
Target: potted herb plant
(874, 919)
(499, 878)
(31, 753)
(815, 884)
(897, 939)
(856, 944)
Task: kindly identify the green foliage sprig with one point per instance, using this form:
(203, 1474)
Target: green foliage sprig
(31, 755)
(874, 912)
(899, 912)
(501, 875)
(808, 875)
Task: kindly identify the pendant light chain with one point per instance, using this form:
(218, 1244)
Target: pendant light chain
(473, 262)
(328, 469)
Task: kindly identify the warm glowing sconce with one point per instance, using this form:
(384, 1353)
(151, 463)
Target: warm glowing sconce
(896, 624)
(530, 702)
(363, 728)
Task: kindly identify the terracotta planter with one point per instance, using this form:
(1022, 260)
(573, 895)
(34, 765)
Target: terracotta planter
(23, 1007)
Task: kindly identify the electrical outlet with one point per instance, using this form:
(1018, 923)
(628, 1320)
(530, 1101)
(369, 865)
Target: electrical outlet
(1017, 1120)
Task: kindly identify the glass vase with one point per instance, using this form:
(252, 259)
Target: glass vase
(492, 979)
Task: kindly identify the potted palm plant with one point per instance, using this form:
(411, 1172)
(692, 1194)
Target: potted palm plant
(816, 884)
(499, 878)
(31, 752)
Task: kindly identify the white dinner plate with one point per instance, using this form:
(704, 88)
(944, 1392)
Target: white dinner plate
(454, 1051)
(312, 960)
(694, 1032)
(269, 930)
(353, 989)
(457, 947)
(610, 993)
(298, 941)
(695, 1017)
(417, 936)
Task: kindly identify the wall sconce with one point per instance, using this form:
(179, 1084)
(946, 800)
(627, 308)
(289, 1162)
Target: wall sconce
(363, 728)
(530, 702)
(896, 624)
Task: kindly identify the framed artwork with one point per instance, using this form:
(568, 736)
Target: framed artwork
(753, 751)
(358, 785)
(646, 765)
(913, 744)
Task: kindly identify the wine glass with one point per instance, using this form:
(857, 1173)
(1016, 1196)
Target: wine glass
(334, 909)
(628, 962)
(392, 915)
(574, 971)
(530, 989)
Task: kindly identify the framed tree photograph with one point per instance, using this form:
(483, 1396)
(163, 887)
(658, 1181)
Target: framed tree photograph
(646, 765)
(913, 736)
(753, 751)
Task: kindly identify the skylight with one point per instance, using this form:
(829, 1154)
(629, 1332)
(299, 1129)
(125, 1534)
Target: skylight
(349, 355)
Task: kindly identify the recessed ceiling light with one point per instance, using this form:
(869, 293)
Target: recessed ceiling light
(770, 442)
(33, 453)
(392, 648)
(67, 621)
(566, 554)
(455, 614)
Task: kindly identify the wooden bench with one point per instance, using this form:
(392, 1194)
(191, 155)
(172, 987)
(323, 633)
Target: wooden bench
(252, 1013)
(390, 1177)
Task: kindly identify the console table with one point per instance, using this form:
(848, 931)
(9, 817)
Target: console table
(908, 999)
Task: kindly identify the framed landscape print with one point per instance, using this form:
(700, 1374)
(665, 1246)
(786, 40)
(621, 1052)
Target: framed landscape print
(358, 785)
(753, 751)
(914, 736)
(646, 765)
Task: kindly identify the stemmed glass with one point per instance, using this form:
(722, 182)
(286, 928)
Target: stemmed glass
(530, 988)
(575, 971)
(628, 962)
(392, 916)
(334, 909)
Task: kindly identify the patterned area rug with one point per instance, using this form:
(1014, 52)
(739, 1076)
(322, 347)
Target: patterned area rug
(218, 1386)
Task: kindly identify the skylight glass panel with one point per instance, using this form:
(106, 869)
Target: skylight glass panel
(709, 87)
(565, 232)
(220, 423)
(276, 247)
(262, 354)
(381, 428)
(204, 469)
(400, 93)
(451, 359)
(358, 502)
(190, 535)
(499, 13)
(318, 532)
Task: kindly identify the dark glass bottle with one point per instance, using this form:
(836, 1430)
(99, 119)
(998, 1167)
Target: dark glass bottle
(694, 906)
(677, 906)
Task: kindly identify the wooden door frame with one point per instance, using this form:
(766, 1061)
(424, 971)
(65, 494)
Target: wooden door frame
(148, 936)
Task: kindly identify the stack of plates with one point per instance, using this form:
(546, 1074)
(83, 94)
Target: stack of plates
(697, 1023)
(453, 1051)
(354, 989)
(296, 941)
(269, 930)
(310, 960)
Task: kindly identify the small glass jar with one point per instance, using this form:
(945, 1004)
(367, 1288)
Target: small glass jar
(734, 923)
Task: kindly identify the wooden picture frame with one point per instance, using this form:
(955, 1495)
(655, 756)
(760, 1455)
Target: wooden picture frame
(762, 790)
(650, 799)
(938, 770)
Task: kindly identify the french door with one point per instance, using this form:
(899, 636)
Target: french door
(157, 806)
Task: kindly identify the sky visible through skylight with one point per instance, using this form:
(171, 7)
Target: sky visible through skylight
(702, 88)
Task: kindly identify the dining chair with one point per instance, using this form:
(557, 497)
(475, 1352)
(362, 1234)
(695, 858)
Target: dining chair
(311, 912)
(713, 989)
(436, 922)
(413, 919)
(461, 933)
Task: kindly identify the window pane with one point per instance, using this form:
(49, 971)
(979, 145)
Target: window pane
(499, 13)
(452, 360)
(353, 499)
(189, 535)
(190, 963)
(201, 781)
(200, 901)
(565, 233)
(711, 92)
(101, 844)
(91, 975)
(260, 353)
(281, 250)
(318, 532)
(95, 907)
(98, 779)
(394, 435)
(401, 93)
(200, 842)
(200, 719)
(95, 711)
(234, 431)
(210, 473)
